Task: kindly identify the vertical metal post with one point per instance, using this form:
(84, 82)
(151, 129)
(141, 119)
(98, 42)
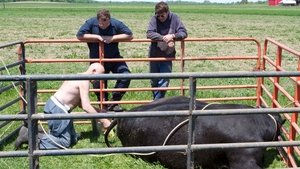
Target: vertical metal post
(259, 81)
(259, 91)
(191, 124)
(32, 124)
(182, 63)
(95, 125)
(22, 68)
(21, 53)
(276, 79)
(294, 119)
(102, 85)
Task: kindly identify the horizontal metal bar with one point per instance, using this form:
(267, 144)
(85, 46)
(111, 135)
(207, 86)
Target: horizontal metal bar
(74, 40)
(147, 149)
(30, 60)
(9, 136)
(166, 113)
(10, 44)
(11, 65)
(20, 116)
(148, 101)
(4, 123)
(152, 114)
(14, 154)
(160, 88)
(16, 117)
(10, 103)
(286, 48)
(9, 87)
(232, 74)
(156, 59)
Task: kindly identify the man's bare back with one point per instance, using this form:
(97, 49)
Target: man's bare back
(75, 93)
(68, 94)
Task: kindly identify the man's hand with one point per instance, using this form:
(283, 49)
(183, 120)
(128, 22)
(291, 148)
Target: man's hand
(100, 38)
(107, 39)
(104, 122)
(100, 110)
(169, 37)
(171, 44)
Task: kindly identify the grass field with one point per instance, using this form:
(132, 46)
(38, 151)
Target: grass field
(21, 21)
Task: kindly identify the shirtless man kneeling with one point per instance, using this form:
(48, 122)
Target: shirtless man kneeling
(70, 95)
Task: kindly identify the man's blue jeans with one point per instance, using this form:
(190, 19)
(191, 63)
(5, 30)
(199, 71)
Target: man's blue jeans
(160, 67)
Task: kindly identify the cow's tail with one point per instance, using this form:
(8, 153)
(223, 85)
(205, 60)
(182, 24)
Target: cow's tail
(112, 125)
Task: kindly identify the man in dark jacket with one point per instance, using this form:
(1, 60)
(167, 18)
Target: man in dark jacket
(164, 27)
(108, 30)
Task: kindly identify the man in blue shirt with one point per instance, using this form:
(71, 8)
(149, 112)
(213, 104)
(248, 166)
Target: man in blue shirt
(164, 27)
(108, 30)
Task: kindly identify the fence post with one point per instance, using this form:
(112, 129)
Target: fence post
(191, 124)
(22, 68)
(102, 85)
(294, 118)
(182, 64)
(32, 124)
(276, 79)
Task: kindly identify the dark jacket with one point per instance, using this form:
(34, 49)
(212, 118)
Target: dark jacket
(156, 31)
(91, 26)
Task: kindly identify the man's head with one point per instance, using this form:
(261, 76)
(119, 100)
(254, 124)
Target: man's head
(162, 11)
(103, 17)
(95, 68)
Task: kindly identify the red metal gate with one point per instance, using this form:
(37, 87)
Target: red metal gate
(270, 92)
(275, 91)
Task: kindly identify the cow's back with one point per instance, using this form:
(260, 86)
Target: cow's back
(152, 131)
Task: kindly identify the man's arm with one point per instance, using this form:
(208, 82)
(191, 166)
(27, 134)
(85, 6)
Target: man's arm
(90, 37)
(122, 32)
(109, 39)
(181, 31)
(152, 30)
(86, 104)
(84, 97)
(85, 31)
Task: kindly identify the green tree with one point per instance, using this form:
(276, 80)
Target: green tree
(206, 1)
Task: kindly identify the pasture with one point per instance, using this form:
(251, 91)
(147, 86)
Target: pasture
(22, 21)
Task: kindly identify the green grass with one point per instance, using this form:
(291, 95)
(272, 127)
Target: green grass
(21, 21)
(253, 9)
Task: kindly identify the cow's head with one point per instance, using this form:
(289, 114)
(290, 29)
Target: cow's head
(279, 121)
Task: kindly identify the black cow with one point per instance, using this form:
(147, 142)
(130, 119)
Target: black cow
(208, 129)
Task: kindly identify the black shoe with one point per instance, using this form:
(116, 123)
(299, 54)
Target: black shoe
(22, 137)
(115, 108)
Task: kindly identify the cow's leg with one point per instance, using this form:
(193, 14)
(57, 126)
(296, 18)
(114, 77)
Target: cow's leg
(250, 158)
(95, 128)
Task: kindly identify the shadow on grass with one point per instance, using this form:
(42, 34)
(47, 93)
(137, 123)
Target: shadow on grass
(89, 135)
(9, 139)
(272, 156)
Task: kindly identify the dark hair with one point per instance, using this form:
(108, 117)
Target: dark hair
(103, 13)
(161, 7)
